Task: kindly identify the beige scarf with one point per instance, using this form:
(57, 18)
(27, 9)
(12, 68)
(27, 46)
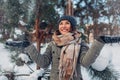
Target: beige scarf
(69, 54)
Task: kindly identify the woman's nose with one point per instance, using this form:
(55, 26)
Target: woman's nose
(64, 25)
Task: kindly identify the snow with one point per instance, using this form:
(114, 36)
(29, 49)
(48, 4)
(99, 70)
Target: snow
(22, 23)
(3, 77)
(0, 35)
(18, 31)
(112, 53)
(5, 63)
(35, 75)
(103, 59)
(32, 73)
(24, 57)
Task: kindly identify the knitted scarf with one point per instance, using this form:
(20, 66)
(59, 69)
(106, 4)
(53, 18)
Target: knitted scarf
(69, 54)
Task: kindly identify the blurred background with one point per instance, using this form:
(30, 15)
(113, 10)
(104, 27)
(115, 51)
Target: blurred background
(97, 16)
(19, 19)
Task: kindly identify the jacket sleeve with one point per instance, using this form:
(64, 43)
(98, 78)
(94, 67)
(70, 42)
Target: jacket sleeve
(42, 60)
(88, 56)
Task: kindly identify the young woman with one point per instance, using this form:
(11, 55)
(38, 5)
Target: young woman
(67, 52)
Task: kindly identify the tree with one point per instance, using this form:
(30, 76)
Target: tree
(15, 11)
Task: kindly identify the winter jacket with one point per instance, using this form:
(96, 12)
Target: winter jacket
(52, 56)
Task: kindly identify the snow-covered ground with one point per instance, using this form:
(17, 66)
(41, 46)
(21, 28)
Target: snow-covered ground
(7, 65)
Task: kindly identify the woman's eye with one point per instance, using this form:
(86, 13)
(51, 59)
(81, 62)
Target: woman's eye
(67, 22)
(64, 22)
(61, 23)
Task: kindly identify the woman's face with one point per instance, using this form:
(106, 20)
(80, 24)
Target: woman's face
(64, 27)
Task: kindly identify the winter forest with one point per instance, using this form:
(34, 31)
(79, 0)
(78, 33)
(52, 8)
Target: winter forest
(19, 19)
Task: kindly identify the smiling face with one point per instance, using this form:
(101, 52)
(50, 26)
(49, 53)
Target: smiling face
(64, 27)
